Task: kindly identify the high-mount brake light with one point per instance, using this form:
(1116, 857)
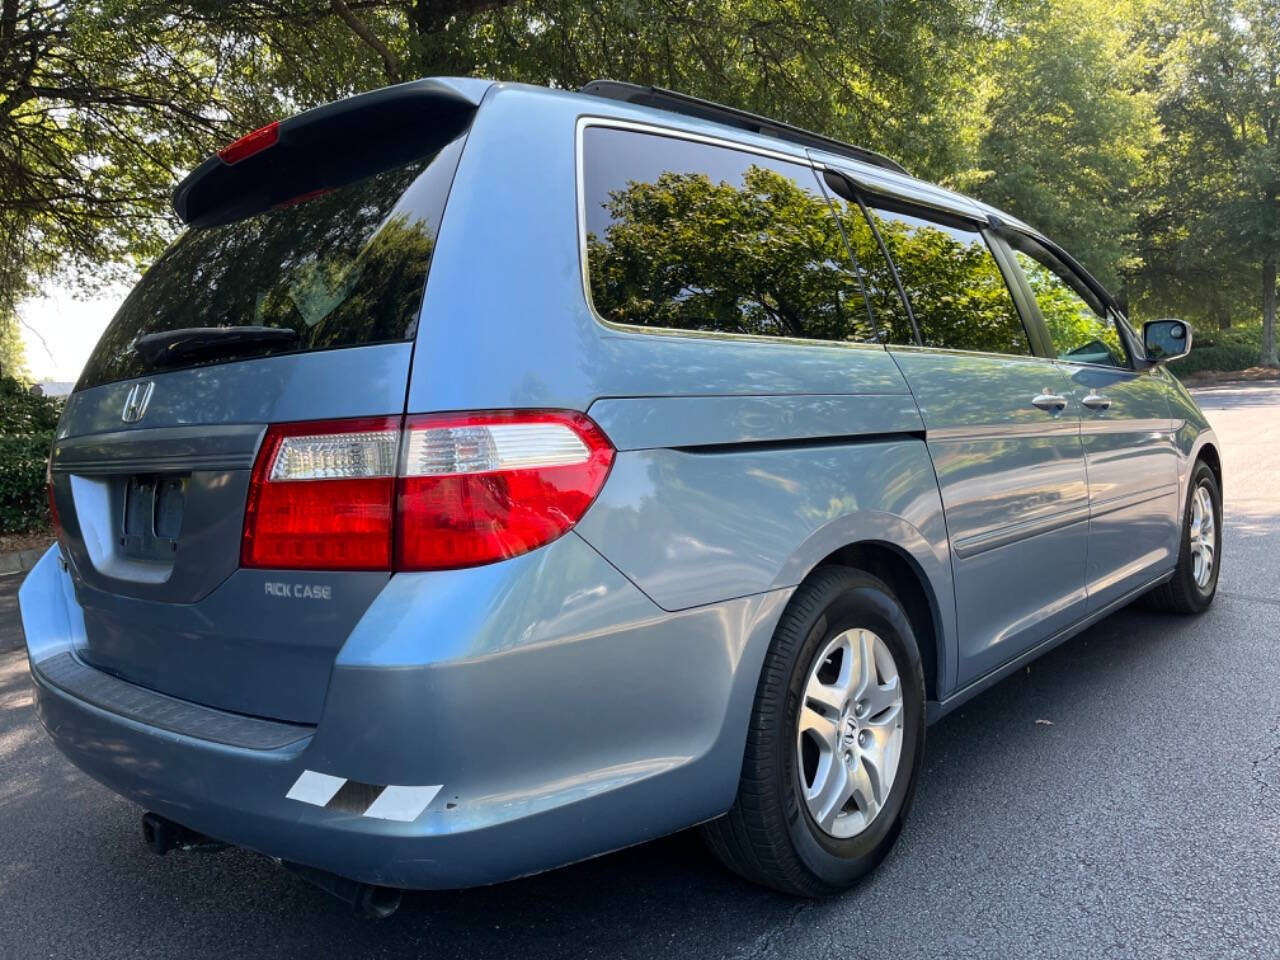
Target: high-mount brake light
(251, 143)
(470, 489)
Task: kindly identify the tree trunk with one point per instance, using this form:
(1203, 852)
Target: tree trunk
(1220, 309)
(1269, 358)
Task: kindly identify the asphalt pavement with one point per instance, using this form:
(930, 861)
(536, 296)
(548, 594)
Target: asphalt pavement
(1121, 798)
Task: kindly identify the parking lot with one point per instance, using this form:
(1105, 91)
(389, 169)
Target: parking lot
(1121, 798)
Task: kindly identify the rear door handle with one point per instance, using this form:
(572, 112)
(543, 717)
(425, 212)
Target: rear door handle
(1096, 401)
(1055, 402)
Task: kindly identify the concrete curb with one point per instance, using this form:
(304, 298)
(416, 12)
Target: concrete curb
(20, 561)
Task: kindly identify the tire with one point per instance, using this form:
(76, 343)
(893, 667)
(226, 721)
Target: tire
(1182, 593)
(770, 836)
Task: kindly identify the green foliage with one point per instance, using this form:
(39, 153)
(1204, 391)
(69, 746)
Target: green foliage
(13, 354)
(774, 266)
(1067, 128)
(27, 423)
(1213, 228)
(1227, 350)
(766, 258)
(958, 295)
(1143, 135)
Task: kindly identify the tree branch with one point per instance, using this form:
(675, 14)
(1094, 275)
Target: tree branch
(390, 63)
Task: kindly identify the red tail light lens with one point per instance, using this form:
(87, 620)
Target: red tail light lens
(251, 143)
(320, 497)
(472, 489)
(476, 488)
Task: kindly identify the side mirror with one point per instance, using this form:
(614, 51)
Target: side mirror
(1166, 340)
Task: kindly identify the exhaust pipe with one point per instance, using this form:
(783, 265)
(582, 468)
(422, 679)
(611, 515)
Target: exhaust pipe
(367, 900)
(377, 903)
(162, 835)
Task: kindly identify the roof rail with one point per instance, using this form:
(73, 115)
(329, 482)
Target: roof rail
(731, 116)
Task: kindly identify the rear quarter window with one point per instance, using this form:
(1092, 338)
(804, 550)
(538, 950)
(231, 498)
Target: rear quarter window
(341, 268)
(683, 235)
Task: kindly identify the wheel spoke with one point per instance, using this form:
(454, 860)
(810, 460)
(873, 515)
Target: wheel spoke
(868, 675)
(822, 727)
(881, 698)
(834, 794)
(863, 790)
(826, 697)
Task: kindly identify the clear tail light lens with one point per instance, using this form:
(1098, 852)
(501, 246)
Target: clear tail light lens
(470, 489)
(476, 488)
(320, 497)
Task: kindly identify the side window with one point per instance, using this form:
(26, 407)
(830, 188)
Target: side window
(891, 315)
(691, 236)
(957, 292)
(1079, 325)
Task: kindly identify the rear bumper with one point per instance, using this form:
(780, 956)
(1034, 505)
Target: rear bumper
(479, 725)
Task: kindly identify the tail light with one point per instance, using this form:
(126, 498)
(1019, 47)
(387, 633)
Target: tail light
(436, 492)
(480, 487)
(320, 496)
(53, 500)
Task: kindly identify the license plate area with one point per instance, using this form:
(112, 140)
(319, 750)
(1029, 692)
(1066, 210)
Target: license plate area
(152, 521)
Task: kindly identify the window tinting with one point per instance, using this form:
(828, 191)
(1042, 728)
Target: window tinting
(340, 268)
(956, 290)
(690, 236)
(892, 319)
(1078, 323)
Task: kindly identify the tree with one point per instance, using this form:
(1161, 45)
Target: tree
(1068, 128)
(887, 74)
(13, 355)
(102, 106)
(1218, 67)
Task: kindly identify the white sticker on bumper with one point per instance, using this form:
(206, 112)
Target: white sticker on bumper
(315, 788)
(402, 803)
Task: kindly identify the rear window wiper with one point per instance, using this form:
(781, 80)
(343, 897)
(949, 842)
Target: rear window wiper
(175, 346)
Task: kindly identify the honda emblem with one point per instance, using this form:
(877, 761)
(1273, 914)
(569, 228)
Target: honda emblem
(135, 404)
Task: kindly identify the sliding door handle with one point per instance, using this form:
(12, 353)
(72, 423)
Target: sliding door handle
(1096, 401)
(1053, 402)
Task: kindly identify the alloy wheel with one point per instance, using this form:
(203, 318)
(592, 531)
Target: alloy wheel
(849, 735)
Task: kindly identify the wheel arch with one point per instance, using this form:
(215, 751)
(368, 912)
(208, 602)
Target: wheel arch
(1208, 452)
(903, 575)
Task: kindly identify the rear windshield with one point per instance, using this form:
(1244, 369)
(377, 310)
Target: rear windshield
(341, 268)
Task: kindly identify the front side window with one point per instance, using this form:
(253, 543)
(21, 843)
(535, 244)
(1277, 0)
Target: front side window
(955, 287)
(1079, 325)
(692, 236)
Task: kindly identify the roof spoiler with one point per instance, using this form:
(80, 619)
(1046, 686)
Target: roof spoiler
(327, 147)
(682, 103)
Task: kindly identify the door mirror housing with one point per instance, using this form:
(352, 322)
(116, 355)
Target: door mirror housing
(1165, 340)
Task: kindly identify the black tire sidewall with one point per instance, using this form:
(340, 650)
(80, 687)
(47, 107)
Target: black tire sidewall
(861, 601)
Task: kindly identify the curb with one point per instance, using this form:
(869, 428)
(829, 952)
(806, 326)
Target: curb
(20, 561)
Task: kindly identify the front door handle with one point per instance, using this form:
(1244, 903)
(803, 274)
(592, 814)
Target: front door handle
(1054, 402)
(1096, 401)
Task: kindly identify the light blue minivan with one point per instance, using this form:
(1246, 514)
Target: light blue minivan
(491, 477)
